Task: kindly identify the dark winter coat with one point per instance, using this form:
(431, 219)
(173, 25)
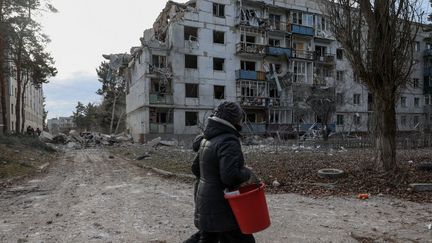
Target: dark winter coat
(221, 165)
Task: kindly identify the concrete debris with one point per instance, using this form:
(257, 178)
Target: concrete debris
(61, 138)
(276, 183)
(46, 137)
(154, 142)
(76, 136)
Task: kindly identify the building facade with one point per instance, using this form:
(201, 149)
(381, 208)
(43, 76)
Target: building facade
(268, 55)
(60, 125)
(32, 104)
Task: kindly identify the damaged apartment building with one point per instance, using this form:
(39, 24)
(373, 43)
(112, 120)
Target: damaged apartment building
(268, 55)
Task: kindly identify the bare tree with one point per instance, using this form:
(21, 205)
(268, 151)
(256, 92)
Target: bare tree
(378, 38)
(323, 104)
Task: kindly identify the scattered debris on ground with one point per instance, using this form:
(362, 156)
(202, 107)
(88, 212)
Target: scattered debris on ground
(294, 168)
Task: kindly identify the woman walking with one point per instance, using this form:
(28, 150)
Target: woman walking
(221, 166)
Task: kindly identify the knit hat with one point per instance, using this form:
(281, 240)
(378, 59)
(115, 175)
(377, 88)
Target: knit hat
(230, 112)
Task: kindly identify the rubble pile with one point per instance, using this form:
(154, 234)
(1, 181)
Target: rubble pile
(79, 140)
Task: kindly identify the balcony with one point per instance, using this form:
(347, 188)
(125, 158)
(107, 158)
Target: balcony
(161, 128)
(302, 54)
(278, 51)
(251, 49)
(427, 53)
(156, 70)
(250, 75)
(262, 102)
(161, 99)
(278, 26)
(326, 59)
(301, 30)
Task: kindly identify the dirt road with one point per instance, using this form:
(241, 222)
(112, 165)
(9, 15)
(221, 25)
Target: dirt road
(88, 197)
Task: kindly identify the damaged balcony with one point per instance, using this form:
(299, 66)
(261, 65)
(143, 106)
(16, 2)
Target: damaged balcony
(160, 92)
(302, 54)
(279, 51)
(259, 94)
(250, 75)
(159, 66)
(250, 49)
(326, 59)
(161, 121)
(297, 29)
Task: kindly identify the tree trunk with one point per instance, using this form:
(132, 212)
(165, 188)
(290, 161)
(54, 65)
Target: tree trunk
(118, 122)
(113, 113)
(3, 83)
(23, 106)
(385, 132)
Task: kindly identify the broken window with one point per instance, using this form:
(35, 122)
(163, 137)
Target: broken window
(297, 18)
(416, 102)
(245, 65)
(415, 82)
(340, 75)
(191, 61)
(340, 120)
(159, 87)
(218, 64)
(191, 90)
(340, 98)
(339, 54)
(356, 99)
(191, 33)
(219, 10)
(191, 118)
(160, 115)
(403, 120)
(219, 92)
(158, 61)
(275, 21)
(218, 37)
(403, 101)
(274, 42)
(250, 39)
(357, 119)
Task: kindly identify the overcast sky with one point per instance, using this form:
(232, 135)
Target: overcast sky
(81, 32)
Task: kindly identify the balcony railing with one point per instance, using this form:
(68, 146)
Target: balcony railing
(161, 128)
(250, 48)
(301, 30)
(326, 59)
(278, 51)
(250, 75)
(278, 26)
(309, 55)
(163, 99)
(265, 102)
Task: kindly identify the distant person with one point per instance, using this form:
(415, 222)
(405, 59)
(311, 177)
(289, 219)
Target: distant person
(221, 166)
(38, 131)
(30, 130)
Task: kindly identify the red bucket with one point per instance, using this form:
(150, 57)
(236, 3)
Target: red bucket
(250, 208)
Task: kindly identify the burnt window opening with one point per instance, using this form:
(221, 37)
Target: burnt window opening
(161, 116)
(249, 39)
(158, 61)
(219, 10)
(191, 61)
(159, 87)
(339, 54)
(190, 33)
(219, 92)
(191, 90)
(191, 118)
(249, 66)
(274, 42)
(218, 37)
(218, 64)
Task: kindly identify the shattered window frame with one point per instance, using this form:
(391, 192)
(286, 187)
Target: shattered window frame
(191, 61)
(218, 64)
(339, 54)
(191, 90)
(339, 120)
(191, 118)
(219, 92)
(357, 119)
(218, 37)
(247, 65)
(219, 10)
(190, 33)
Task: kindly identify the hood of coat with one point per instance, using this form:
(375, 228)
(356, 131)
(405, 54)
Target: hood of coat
(217, 126)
